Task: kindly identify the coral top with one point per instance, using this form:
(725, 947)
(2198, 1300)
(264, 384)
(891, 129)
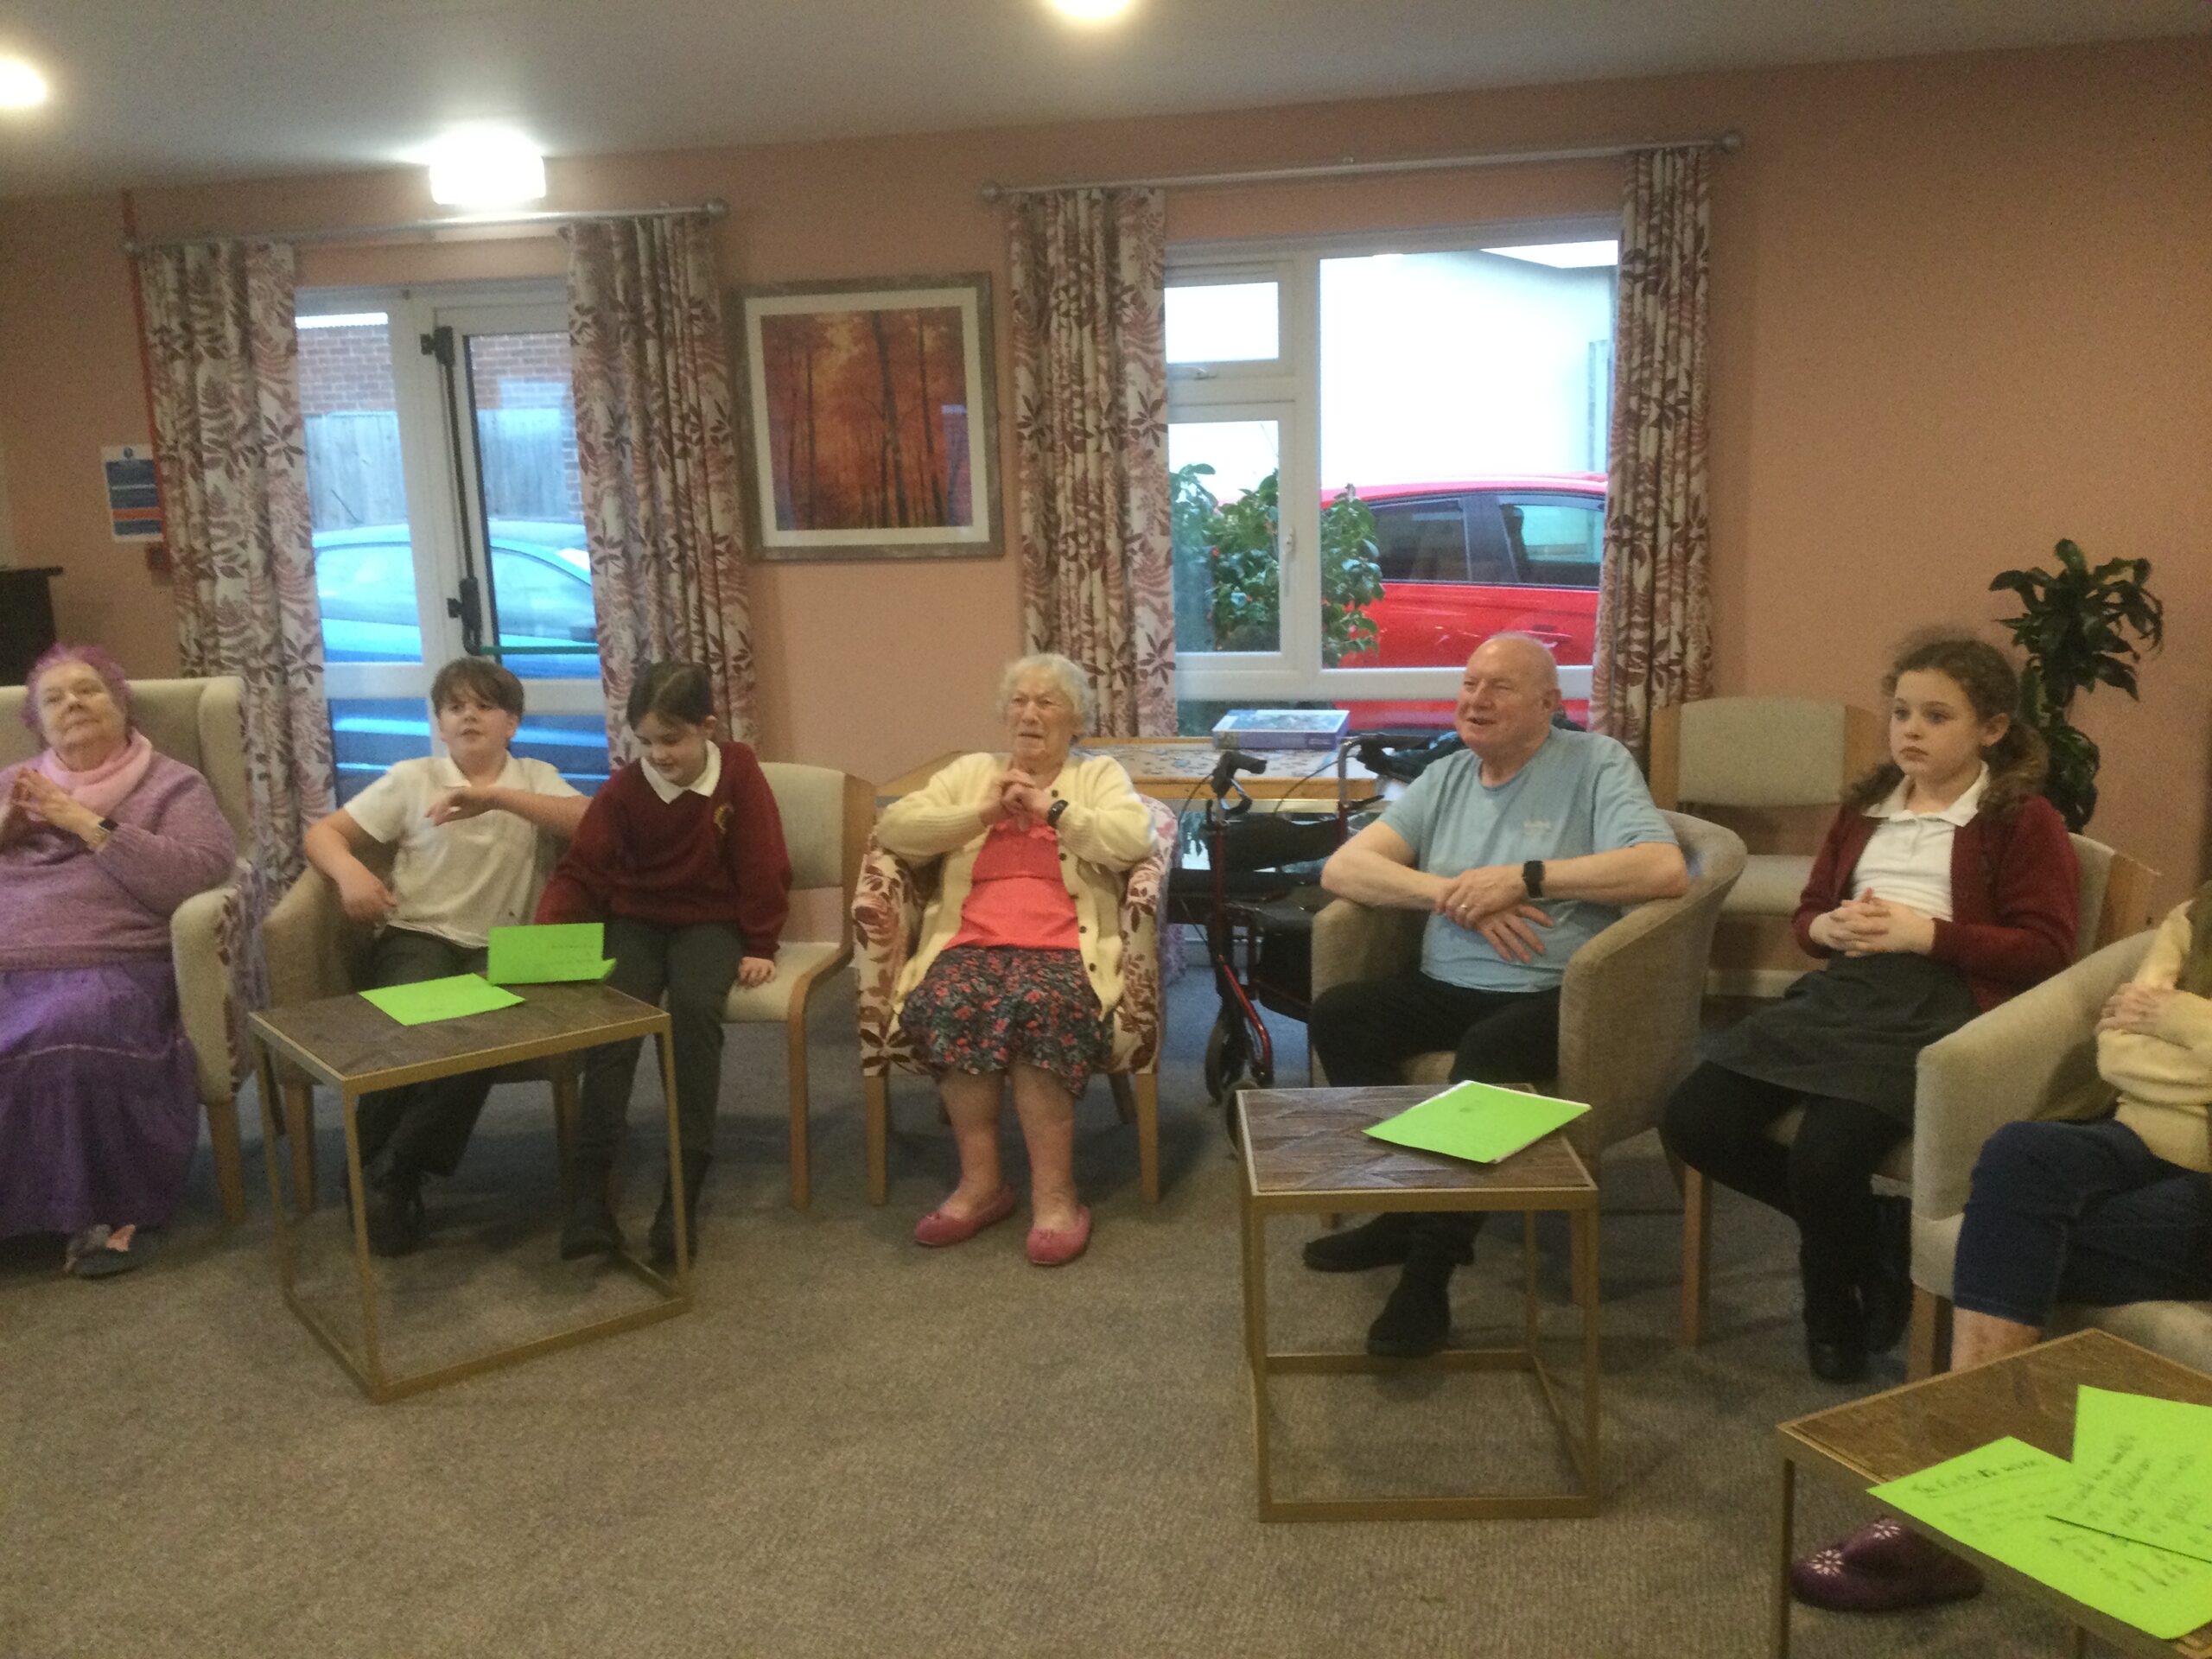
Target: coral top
(1019, 896)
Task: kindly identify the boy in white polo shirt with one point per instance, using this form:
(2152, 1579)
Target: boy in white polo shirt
(476, 831)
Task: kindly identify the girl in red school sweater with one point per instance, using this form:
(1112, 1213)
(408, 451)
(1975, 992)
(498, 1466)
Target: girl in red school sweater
(1946, 885)
(682, 856)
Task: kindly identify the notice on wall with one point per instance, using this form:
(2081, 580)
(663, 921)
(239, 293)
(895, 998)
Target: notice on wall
(133, 501)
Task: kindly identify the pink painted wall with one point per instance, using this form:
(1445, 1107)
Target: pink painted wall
(1961, 306)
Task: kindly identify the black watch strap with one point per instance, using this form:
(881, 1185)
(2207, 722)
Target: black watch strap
(110, 825)
(1532, 877)
(1053, 814)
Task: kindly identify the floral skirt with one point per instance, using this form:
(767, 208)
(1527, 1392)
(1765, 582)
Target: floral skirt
(983, 1009)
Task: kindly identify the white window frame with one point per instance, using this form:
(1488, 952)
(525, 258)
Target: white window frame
(426, 465)
(1288, 389)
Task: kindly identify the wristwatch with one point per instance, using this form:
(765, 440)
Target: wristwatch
(1532, 877)
(1053, 814)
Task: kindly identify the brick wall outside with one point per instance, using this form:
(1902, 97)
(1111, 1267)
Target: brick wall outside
(346, 368)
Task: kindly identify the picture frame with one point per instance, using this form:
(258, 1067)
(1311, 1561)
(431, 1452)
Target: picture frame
(871, 419)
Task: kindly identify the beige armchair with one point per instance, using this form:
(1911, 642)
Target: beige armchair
(888, 913)
(1628, 1007)
(1761, 753)
(199, 722)
(2034, 1056)
(827, 817)
(2114, 900)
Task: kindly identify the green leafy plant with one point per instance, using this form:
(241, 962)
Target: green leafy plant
(2072, 627)
(1228, 579)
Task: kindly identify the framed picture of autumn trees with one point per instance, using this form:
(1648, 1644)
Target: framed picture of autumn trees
(872, 428)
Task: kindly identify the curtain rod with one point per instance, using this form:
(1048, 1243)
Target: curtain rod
(715, 209)
(1728, 142)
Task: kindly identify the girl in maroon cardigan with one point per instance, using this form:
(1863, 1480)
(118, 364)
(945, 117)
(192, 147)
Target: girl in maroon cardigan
(682, 855)
(1946, 885)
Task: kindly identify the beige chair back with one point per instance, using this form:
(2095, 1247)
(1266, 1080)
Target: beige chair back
(197, 722)
(827, 816)
(1759, 752)
(2115, 895)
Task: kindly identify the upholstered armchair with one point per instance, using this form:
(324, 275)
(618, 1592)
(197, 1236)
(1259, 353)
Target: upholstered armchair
(199, 722)
(1627, 1025)
(887, 913)
(2033, 1057)
(2114, 900)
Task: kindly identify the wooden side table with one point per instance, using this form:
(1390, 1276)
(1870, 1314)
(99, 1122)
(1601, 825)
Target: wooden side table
(2029, 1396)
(354, 1047)
(1306, 1155)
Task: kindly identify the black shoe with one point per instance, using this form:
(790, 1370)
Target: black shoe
(394, 1198)
(1382, 1242)
(660, 1239)
(1417, 1318)
(590, 1228)
(1836, 1359)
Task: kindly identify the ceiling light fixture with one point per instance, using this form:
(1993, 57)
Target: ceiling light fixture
(481, 168)
(1091, 11)
(21, 88)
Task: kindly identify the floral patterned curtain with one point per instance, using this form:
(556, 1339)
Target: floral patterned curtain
(1654, 621)
(656, 449)
(231, 455)
(1090, 408)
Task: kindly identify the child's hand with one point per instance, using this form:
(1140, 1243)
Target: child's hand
(469, 801)
(755, 971)
(365, 898)
(1882, 926)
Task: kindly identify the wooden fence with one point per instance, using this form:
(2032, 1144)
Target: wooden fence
(528, 459)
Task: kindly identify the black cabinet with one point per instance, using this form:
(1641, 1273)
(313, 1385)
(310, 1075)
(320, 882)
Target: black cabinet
(25, 620)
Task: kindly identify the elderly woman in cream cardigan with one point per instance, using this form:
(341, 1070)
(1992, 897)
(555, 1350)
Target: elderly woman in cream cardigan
(1019, 969)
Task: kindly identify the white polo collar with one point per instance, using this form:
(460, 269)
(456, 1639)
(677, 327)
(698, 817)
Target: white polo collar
(1959, 812)
(702, 784)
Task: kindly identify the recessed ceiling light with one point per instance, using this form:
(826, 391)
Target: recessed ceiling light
(21, 88)
(486, 168)
(1091, 11)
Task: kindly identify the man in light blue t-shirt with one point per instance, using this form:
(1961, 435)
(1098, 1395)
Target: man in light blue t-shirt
(1520, 848)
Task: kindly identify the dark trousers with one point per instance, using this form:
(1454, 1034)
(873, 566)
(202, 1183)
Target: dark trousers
(423, 1126)
(1363, 1033)
(696, 966)
(1823, 1179)
(2080, 1212)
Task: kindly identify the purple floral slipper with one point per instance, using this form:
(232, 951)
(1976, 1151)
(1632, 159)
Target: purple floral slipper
(1882, 1567)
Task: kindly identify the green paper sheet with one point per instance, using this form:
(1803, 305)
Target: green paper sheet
(540, 955)
(1998, 1499)
(2143, 1470)
(441, 999)
(1476, 1121)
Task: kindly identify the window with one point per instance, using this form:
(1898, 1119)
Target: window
(426, 547)
(1379, 457)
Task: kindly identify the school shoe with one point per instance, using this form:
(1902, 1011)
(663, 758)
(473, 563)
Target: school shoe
(660, 1238)
(1836, 1359)
(392, 1194)
(590, 1228)
(1382, 1242)
(1417, 1318)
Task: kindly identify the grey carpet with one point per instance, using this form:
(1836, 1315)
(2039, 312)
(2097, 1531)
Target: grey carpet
(853, 1445)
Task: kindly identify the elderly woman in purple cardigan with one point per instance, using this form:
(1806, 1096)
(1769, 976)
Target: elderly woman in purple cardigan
(101, 839)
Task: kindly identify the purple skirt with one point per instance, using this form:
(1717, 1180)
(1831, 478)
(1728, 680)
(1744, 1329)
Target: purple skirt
(99, 1101)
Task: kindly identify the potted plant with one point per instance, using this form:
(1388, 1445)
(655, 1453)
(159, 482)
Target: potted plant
(2072, 626)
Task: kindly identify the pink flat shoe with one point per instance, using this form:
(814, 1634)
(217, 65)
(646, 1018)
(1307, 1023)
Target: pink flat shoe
(937, 1228)
(1050, 1247)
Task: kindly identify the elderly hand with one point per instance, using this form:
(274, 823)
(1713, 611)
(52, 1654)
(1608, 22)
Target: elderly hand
(1484, 891)
(37, 798)
(755, 971)
(1024, 798)
(468, 801)
(1869, 927)
(2136, 1007)
(1512, 933)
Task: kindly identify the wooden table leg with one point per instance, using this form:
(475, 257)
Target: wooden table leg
(372, 1348)
(1256, 1341)
(1784, 1519)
